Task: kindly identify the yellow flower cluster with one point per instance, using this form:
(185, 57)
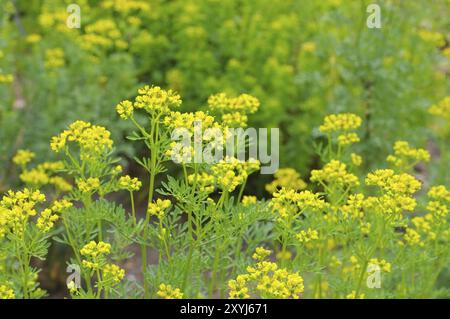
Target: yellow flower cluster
(412, 237)
(125, 109)
(187, 120)
(340, 123)
(54, 21)
(307, 236)
(94, 258)
(6, 292)
(288, 178)
(356, 159)
(49, 216)
(435, 38)
(23, 157)
(103, 33)
(354, 206)
(6, 78)
(54, 58)
(383, 264)
(93, 249)
(158, 208)
(265, 279)
(231, 172)
(33, 38)
(92, 140)
(234, 110)
(88, 185)
(440, 202)
(94, 254)
(248, 200)
(235, 119)
(425, 225)
(210, 131)
(352, 295)
(392, 183)
(287, 202)
(397, 191)
(112, 274)
(243, 103)
(60, 183)
(130, 184)
(126, 6)
(347, 139)
(405, 156)
(334, 172)
(42, 175)
(168, 292)
(204, 181)
(156, 100)
(17, 207)
(34, 177)
(442, 108)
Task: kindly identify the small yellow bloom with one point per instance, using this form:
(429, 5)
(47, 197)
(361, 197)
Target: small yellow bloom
(168, 292)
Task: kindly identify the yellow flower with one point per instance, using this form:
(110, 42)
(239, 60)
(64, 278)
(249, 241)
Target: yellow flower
(383, 264)
(352, 295)
(16, 208)
(125, 109)
(340, 122)
(6, 78)
(154, 99)
(334, 172)
(266, 280)
(112, 274)
(6, 292)
(308, 235)
(231, 172)
(309, 47)
(93, 141)
(354, 206)
(244, 103)
(61, 184)
(89, 185)
(35, 177)
(249, 200)
(93, 249)
(405, 156)
(391, 183)
(412, 237)
(261, 253)
(435, 38)
(356, 159)
(158, 208)
(168, 292)
(204, 181)
(290, 203)
(238, 288)
(288, 178)
(130, 184)
(347, 139)
(234, 110)
(23, 157)
(54, 58)
(33, 38)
